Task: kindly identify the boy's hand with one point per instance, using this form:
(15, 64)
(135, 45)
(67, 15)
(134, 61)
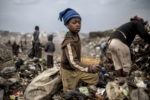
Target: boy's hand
(94, 69)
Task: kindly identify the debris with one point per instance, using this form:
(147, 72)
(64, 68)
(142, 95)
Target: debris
(84, 90)
(13, 80)
(141, 84)
(31, 53)
(7, 70)
(74, 95)
(22, 74)
(100, 91)
(1, 94)
(139, 94)
(113, 91)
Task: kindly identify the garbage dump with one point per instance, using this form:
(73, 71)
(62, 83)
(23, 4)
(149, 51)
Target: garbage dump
(24, 78)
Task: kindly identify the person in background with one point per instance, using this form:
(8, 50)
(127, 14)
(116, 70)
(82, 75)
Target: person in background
(36, 43)
(25, 40)
(21, 46)
(72, 70)
(15, 49)
(120, 42)
(8, 43)
(49, 49)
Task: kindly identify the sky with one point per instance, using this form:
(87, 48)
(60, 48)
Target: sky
(97, 15)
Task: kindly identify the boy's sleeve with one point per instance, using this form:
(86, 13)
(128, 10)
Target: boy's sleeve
(143, 33)
(72, 57)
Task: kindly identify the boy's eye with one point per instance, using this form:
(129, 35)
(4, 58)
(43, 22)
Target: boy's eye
(74, 22)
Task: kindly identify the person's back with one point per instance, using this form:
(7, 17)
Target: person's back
(36, 43)
(127, 32)
(36, 36)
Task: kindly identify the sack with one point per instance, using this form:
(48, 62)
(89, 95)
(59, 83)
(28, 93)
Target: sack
(44, 85)
(31, 53)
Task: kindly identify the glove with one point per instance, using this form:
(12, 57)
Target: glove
(94, 69)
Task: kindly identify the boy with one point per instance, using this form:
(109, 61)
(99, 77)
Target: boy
(120, 42)
(36, 43)
(72, 70)
(50, 48)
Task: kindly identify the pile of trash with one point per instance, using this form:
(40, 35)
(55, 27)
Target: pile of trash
(30, 79)
(5, 53)
(140, 52)
(5, 56)
(92, 45)
(136, 86)
(15, 79)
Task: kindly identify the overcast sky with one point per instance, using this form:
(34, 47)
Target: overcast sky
(97, 15)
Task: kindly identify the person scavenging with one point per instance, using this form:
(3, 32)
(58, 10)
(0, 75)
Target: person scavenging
(121, 40)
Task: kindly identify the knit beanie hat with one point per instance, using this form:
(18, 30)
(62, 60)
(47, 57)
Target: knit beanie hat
(67, 14)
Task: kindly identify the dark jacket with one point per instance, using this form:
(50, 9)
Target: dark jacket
(36, 36)
(71, 53)
(127, 32)
(50, 47)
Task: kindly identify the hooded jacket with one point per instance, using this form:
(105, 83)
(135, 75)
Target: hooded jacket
(50, 47)
(71, 53)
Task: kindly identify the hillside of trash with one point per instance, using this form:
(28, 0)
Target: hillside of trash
(21, 76)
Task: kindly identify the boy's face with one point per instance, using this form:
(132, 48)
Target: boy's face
(74, 25)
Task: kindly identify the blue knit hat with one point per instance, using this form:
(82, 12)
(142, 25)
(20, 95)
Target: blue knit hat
(67, 14)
